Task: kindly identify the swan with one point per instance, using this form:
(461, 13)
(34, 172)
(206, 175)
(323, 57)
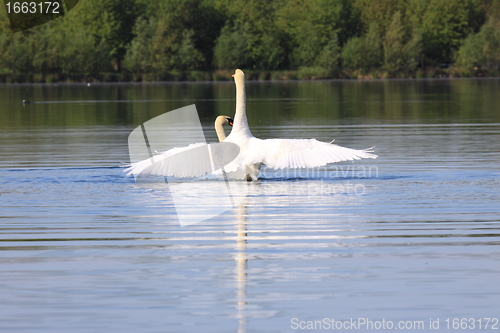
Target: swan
(191, 160)
(240, 155)
(279, 153)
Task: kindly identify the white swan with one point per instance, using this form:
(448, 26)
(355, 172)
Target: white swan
(279, 153)
(250, 151)
(195, 160)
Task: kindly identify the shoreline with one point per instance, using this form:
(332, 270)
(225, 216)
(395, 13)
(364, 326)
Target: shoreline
(252, 76)
(64, 83)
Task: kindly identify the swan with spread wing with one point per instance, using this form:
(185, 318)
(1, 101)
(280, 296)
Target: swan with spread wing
(280, 153)
(253, 152)
(194, 160)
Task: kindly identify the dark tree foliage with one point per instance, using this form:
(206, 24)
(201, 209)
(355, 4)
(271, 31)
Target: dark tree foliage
(110, 22)
(364, 53)
(328, 36)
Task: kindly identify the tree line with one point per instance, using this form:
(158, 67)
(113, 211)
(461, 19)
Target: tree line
(196, 39)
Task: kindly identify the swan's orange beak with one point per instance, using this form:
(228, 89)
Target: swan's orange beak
(232, 75)
(230, 121)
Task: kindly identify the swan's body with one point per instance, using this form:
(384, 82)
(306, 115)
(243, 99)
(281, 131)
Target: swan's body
(253, 152)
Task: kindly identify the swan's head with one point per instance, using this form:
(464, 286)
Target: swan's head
(238, 75)
(224, 120)
(220, 121)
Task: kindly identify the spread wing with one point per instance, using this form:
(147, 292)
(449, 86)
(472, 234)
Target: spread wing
(195, 160)
(301, 153)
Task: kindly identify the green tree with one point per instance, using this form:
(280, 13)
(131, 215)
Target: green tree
(380, 12)
(257, 42)
(315, 28)
(77, 51)
(329, 56)
(482, 49)
(394, 43)
(160, 48)
(16, 52)
(365, 52)
(309, 44)
(138, 57)
(492, 9)
(231, 48)
(55, 47)
(174, 34)
(401, 51)
(110, 22)
(444, 25)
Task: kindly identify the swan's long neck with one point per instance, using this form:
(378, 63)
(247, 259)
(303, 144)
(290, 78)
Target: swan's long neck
(219, 128)
(240, 118)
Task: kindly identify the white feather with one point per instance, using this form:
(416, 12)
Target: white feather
(296, 153)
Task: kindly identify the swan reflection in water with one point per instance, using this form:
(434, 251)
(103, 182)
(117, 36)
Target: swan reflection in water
(261, 220)
(241, 267)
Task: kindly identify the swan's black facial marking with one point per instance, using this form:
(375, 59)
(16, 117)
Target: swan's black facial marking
(230, 121)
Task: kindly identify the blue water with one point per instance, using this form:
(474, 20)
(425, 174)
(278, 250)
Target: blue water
(411, 236)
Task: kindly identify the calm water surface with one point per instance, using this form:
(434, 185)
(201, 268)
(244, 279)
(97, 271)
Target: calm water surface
(411, 236)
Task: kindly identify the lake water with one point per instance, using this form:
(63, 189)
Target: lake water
(407, 239)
